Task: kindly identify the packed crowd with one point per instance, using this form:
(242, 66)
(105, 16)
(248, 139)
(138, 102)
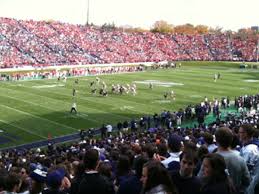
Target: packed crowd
(222, 157)
(40, 43)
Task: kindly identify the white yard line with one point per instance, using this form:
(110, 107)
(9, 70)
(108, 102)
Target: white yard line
(89, 100)
(36, 104)
(26, 113)
(23, 129)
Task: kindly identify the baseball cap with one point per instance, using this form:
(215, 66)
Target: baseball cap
(39, 175)
(55, 177)
(175, 141)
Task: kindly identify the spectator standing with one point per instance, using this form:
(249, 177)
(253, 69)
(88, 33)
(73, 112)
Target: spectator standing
(156, 179)
(215, 178)
(92, 181)
(250, 149)
(235, 164)
(184, 179)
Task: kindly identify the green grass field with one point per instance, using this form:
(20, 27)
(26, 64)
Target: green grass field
(30, 110)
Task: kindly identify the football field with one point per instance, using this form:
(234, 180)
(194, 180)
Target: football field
(34, 110)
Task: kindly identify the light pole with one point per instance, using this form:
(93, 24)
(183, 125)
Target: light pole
(87, 21)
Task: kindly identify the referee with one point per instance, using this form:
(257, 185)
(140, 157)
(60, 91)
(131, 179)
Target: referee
(73, 108)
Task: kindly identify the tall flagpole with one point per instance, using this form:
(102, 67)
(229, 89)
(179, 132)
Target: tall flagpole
(87, 21)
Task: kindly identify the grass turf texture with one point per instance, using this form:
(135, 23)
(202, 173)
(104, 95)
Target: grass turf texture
(28, 113)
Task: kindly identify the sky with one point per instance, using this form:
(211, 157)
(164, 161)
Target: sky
(228, 14)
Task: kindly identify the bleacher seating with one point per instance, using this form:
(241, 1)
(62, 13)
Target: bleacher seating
(40, 43)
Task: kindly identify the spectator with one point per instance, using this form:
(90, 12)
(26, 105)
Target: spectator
(174, 145)
(78, 172)
(105, 169)
(109, 130)
(235, 164)
(184, 179)
(250, 149)
(54, 182)
(38, 179)
(209, 142)
(93, 182)
(133, 184)
(215, 178)
(12, 184)
(156, 179)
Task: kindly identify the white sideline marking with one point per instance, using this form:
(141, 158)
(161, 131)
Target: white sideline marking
(159, 83)
(251, 80)
(126, 108)
(48, 86)
(161, 101)
(123, 108)
(195, 96)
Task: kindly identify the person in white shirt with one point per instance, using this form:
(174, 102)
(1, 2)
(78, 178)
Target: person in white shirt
(205, 99)
(175, 146)
(209, 142)
(250, 147)
(109, 130)
(172, 95)
(215, 77)
(73, 108)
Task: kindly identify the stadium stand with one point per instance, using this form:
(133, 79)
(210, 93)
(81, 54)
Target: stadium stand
(40, 43)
